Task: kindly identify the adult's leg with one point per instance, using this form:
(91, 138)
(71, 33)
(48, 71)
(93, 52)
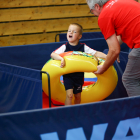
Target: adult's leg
(77, 99)
(69, 97)
(131, 76)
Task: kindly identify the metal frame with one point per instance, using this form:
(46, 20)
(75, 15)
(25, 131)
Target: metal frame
(49, 89)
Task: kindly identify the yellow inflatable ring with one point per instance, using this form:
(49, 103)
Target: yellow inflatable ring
(79, 62)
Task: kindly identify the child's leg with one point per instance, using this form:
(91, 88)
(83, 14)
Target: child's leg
(69, 96)
(77, 98)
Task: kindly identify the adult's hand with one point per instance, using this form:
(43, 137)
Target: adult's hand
(100, 70)
(118, 59)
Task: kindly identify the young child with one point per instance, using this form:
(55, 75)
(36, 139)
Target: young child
(73, 82)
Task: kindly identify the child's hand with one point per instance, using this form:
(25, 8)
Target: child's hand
(62, 63)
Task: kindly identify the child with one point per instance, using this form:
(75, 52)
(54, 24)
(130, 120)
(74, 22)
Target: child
(73, 82)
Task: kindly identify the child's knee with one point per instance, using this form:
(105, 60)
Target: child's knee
(70, 96)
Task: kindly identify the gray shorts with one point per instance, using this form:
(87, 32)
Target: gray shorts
(131, 75)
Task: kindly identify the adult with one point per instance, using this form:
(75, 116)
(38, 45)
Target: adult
(119, 21)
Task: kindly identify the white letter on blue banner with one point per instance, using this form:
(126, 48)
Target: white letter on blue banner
(75, 134)
(125, 126)
(98, 131)
(49, 136)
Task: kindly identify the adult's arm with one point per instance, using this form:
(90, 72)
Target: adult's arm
(113, 53)
(120, 42)
(119, 39)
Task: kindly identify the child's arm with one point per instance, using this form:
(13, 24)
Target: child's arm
(100, 54)
(94, 52)
(58, 57)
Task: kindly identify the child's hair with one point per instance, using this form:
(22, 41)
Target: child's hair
(80, 26)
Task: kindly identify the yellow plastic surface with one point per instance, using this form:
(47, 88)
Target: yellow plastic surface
(104, 86)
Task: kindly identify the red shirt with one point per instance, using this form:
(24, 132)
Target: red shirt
(123, 18)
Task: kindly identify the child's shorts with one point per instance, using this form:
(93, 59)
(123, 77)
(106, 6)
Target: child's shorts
(74, 83)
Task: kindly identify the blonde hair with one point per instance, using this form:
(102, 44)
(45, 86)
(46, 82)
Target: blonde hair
(80, 26)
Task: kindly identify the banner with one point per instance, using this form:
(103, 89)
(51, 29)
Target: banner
(116, 119)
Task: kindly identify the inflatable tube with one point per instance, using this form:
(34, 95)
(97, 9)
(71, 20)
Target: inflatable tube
(79, 62)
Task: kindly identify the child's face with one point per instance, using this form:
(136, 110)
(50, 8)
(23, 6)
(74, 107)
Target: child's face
(73, 34)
